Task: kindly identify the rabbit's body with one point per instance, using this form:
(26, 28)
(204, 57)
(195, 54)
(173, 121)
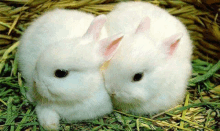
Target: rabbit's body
(150, 70)
(60, 58)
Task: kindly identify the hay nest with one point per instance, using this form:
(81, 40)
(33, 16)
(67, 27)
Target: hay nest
(202, 104)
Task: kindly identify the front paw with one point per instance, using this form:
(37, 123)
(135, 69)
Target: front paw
(50, 124)
(48, 118)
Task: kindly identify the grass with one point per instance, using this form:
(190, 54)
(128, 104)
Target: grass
(199, 111)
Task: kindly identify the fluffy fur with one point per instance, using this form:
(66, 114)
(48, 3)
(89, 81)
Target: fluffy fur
(69, 40)
(157, 45)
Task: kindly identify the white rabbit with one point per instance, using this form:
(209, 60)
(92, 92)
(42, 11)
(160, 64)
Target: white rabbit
(60, 58)
(149, 71)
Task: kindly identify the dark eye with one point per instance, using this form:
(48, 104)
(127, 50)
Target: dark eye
(60, 73)
(138, 77)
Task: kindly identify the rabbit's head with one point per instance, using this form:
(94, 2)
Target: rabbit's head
(138, 69)
(69, 69)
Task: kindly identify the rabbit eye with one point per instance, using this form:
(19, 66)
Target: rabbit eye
(60, 73)
(138, 77)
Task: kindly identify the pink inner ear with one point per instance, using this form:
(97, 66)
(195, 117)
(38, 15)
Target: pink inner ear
(144, 25)
(96, 26)
(112, 47)
(173, 47)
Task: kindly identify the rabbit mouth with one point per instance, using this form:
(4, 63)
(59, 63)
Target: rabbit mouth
(42, 96)
(126, 98)
(49, 94)
(52, 94)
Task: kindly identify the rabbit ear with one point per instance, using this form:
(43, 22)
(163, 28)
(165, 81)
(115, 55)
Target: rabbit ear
(95, 27)
(144, 25)
(172, 42)
(109, 46)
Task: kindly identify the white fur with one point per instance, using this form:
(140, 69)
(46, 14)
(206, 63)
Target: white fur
(165, 76)
(59, 39)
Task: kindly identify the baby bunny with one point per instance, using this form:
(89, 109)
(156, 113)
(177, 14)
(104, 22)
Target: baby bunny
(150, 70)
(60, 56)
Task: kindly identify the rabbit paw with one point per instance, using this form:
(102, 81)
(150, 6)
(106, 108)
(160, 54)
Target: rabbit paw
(48, 119)
(50, 124)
